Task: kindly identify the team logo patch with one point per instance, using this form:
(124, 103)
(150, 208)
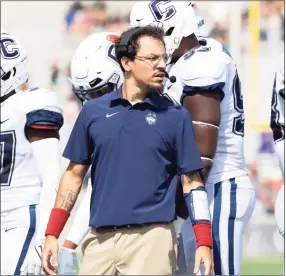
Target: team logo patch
(151, 118)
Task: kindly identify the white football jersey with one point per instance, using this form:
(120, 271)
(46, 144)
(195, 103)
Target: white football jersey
(20, 183)
(204, 69)
(277, 119)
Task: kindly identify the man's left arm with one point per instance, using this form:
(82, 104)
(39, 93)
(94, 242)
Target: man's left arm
(197, 204)
(189, 167)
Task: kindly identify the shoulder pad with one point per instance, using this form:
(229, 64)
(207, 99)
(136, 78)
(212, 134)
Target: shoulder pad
(204, 69)
(40, 98)
(42, 109)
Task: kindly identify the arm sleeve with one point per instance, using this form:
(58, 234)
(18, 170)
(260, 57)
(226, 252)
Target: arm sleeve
(80, 227)
(79, 147)
(47, 155)
(188, 156)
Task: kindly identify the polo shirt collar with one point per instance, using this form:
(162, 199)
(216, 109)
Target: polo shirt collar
(155, 99)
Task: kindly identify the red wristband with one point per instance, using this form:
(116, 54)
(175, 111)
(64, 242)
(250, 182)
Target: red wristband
(203, 233)
(57, 221)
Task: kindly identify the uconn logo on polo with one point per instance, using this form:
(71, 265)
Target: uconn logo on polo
(151, 118)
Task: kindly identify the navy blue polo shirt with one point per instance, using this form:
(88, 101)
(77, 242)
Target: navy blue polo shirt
(136, 152)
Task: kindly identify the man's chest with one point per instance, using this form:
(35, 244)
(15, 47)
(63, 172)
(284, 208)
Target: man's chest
(133, 127)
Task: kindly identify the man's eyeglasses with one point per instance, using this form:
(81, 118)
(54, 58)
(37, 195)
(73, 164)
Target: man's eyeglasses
(153, 59)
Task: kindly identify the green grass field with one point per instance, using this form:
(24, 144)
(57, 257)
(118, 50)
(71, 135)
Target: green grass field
(262, 266)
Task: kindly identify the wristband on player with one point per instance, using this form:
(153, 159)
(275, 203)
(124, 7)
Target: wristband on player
(197, 204)
(57, 221)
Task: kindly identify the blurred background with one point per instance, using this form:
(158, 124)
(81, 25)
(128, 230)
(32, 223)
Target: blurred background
(254, 33)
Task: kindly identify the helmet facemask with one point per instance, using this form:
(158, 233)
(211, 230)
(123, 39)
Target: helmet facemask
(13, 64)
(86, 94)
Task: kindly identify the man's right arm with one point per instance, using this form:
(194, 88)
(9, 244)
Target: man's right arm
(79, 150)
(80, 227)
(70, 186)
(69, 189)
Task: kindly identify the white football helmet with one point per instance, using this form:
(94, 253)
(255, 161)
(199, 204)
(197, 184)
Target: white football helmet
(94, 69)
(13, 63)
(178, 19)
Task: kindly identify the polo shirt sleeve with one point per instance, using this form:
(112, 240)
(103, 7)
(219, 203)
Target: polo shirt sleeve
(79, 147)
(187, 153)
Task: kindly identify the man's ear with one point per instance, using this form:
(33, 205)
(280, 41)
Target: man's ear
(125, 61)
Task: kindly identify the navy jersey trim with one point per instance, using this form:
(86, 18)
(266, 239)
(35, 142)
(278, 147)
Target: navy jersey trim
(29, 237)
(231, 225)
(215, 228)
(43, 117)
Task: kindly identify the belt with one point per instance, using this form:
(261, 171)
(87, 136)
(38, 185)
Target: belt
(121, 227)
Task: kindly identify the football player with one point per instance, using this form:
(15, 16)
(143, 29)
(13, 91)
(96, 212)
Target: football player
(204, 79)
(94, 72)
(277, 124)
(30, 161)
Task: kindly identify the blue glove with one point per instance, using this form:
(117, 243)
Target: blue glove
(68, 262)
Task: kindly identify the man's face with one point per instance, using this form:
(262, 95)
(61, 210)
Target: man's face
(149, 65)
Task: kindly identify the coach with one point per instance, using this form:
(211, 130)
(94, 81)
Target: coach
(136, 141)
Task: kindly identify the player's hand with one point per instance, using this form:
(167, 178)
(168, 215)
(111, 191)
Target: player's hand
(32, 264)
(50, 250)
(204, 256)
(68, 262)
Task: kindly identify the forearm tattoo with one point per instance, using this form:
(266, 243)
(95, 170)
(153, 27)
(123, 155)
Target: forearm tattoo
(68, 199)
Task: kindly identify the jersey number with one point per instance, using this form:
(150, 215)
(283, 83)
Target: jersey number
(7, 158)
(238, 122)
(277, 128)
(158, 12)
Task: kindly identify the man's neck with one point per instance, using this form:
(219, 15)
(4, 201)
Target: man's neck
(133, 91)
